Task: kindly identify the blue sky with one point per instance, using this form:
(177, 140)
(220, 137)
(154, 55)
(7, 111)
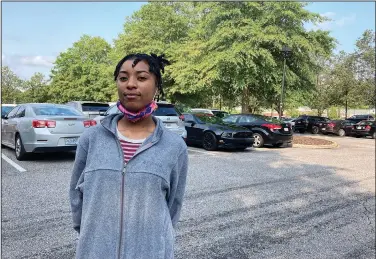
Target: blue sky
(34, 33)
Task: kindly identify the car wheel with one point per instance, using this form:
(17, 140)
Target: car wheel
(259, 140)
(209, 142)
(357, 136)
(341, 133)
(301, 131)
(374, 135)
(278, 145)
(19, 149)
(315, 130)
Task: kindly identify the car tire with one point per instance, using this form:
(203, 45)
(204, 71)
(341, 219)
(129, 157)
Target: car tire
(209, 141)
(301, 131)
(315, 130)
(341, 133)
(259, 140)
(374, 135)
(19, 149)
(357, 136)
(278, 145)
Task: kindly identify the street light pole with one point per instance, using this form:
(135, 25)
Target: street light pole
(286, 52)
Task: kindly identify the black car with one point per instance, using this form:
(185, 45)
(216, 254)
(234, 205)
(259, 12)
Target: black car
(338, 127)
(211, 133)
(265, 130)
(359, 118)
(364, 129)
(310, 123)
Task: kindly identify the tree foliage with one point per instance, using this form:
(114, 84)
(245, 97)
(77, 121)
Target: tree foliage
(11, 86)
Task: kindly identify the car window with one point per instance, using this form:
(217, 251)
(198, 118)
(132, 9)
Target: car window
(6, 109)
(114, 109)
(164, 110)
(246, 119)
(56, 111)
(21, 112)
(188, 117)
(96, 107)
(230, 119)
(220, 114)
(13, 112)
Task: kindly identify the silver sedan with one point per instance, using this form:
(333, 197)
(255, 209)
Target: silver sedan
(42, 127)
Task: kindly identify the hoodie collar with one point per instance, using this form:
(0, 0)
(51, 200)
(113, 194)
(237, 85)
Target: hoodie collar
(110, 123)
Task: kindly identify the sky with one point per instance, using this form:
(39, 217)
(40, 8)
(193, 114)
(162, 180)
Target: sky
(34, 33)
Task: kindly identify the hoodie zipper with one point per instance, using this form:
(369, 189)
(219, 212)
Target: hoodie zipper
(122, 184)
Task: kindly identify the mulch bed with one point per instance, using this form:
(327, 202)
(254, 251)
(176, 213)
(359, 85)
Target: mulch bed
(310, 141)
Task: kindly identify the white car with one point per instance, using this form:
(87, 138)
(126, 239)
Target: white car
(170, 116)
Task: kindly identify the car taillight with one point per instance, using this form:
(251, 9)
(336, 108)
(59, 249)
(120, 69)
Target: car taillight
(181, 117)
(368, 127)
(43, 124)
(331, 125)
(272, 127)
(89, 123)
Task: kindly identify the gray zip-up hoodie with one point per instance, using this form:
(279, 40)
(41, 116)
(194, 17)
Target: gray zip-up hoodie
(127, 211)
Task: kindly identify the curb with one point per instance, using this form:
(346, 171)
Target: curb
(331, 146)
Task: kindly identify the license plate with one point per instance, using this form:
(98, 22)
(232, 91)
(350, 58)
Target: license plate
(323, 129)
(359, 127)
(71, 141)
(285, 129)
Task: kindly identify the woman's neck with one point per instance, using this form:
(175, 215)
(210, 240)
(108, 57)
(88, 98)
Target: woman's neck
(136, 130)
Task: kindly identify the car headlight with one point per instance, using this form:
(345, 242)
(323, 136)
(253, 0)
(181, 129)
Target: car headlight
(226, 135)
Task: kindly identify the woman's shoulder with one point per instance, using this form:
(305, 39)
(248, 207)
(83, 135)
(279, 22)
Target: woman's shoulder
(91, 133)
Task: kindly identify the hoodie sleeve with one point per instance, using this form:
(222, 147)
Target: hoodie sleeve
(177, 186)
(75, 191)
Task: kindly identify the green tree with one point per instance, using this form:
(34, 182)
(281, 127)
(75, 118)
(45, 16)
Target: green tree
(82, 72)
(36, 89)
(11, 86)
(365, 67)
(237, 45)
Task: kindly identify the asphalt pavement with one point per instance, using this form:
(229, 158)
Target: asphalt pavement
(260, 203)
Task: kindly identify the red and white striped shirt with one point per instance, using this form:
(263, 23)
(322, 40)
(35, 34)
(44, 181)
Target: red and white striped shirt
(129, 146)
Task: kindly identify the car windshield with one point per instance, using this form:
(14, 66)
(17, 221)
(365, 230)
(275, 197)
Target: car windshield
(5, 110)
(207, 118)
(93, 107)
(166, 111)
(56, 111)
(220, 114)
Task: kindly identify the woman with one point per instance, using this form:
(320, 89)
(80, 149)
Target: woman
(129, 174)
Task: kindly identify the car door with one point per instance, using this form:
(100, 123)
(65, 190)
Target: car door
(192, 128)
(6, 126)
(14, 123)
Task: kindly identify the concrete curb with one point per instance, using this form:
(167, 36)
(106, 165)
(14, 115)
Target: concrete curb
(331, 146)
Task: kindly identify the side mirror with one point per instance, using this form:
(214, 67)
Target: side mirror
(191, 122)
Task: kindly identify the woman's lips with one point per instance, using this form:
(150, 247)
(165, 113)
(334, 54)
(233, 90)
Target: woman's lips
(131, 96)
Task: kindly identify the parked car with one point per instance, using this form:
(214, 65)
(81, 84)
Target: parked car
(310, 123)
(364, 129)
(290, 121)
(89, 108)
(266, 131)
(214, 112)
(170, 116)
(359, 118)
(211, 133)
(338, 127)
(6, 108)
(42, 127)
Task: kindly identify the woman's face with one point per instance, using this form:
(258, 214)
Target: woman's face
(136, 85)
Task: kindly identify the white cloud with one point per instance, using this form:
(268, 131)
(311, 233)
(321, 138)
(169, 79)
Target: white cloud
(346, 20)
(40, 61)
(334, 21)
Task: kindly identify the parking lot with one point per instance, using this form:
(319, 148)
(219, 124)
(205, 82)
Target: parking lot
(260, 203)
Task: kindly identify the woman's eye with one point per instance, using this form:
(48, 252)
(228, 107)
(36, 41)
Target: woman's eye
(123, 79)
(141, 78)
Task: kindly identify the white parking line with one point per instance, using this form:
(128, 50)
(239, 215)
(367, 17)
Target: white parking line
(211, 153)
(19, 168)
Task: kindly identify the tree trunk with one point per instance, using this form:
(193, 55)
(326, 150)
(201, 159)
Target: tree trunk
(245, 100)
(346, 108)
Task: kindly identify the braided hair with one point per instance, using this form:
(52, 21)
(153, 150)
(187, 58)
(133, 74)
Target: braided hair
(156, 65)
